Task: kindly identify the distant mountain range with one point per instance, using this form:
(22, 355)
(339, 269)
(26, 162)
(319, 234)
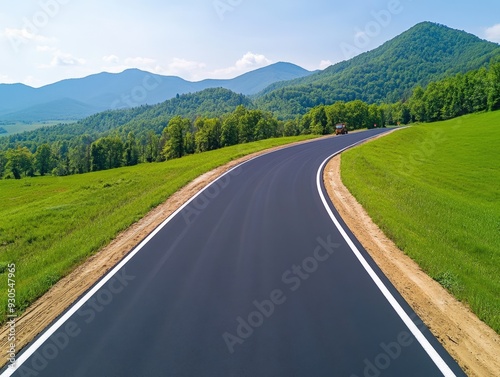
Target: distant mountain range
(78, 98)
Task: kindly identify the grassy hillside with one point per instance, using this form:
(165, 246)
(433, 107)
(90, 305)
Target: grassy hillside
(426, 52)
(435, 190)
(48, 225)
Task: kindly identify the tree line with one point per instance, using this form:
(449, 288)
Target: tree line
(163, 138)
(180, 137)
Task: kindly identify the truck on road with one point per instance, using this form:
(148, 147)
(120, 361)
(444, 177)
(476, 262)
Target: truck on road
(341, 129)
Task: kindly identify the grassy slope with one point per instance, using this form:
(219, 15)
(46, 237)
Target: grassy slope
(435, 190)
(48, 225)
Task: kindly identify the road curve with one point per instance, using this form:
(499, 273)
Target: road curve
(252, 277)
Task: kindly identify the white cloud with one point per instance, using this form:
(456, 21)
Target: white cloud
(63, 59)
(111, 59)
(325, 64)
(45, 48)
(248, 62)
(24, 36)
(32, 81)
(5, 79)
(493, 33)
(187, 69)
(182, 67)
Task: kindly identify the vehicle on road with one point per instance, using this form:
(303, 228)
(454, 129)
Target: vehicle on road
(341, 129)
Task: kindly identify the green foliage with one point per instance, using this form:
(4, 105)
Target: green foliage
(140, 120)
(436, 195)
(106, 153)
(175, 136)
(131, 151)
(19, 162)
(43, 159)
(425, 53)
(208, 134)
(454, 96)
(494, 88)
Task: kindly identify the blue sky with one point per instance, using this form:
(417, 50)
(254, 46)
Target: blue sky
(48, 40)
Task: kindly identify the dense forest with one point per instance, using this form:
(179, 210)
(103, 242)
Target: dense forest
(425, 53)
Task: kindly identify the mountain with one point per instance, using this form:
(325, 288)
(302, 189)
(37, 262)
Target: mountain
(254, 82)
(426, 52)
(77, 98)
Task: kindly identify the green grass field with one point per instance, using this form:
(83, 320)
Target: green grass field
(18, 127)
(49, 225)
(434, 189)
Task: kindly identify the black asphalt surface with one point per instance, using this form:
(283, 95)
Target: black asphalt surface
(252, 278)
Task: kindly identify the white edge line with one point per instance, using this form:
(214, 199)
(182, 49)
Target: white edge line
(433, 354)
(52, 329)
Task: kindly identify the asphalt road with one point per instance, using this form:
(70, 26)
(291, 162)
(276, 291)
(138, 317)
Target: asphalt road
(251, 278)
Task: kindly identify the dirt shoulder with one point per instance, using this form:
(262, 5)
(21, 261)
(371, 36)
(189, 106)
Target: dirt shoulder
(47, 308)
(474, 345)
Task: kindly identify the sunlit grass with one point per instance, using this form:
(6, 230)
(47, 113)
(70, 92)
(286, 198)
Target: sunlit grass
(435, 190)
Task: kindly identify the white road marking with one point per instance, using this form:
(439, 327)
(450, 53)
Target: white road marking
(433, 354)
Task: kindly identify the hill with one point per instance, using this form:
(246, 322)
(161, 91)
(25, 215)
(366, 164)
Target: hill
(78, 98)
(140, 120)
(426, 52)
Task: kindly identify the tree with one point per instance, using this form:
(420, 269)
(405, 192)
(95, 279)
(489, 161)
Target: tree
(97, 156)
(433, 100)
(417, 105)
(43, 159)
(375, 116)
(189, 143)
(175, 133)
(229, 131)
(3, 163)
(247, 124)
(79, 155)
(106, 153)
(336, 114)
(356, 114)
(130, 151)
(494, 87)
(319, 121)
(151, 147)
(60, 153)
(208, 134)
(19, 162)
(291, 128)
(266, 127)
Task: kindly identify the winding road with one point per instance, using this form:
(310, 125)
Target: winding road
(256, 276)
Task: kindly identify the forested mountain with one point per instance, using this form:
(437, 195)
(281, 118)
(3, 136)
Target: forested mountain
(426, 52)
(78, 98)
(140, 120)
